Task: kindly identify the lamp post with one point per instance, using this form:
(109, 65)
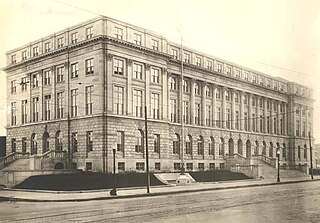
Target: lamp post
(316, 163)
(114, 189)
(278, 156)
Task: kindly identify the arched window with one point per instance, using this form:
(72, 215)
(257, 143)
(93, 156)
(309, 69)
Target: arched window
(271, 150)
(58, 141)
(240, 147)
(256, 148)
(264, 148)
(200, 145)
(284, 152)
(305, 152)
(34, 144)
(139, 141)
(221, 147)
(176, 144)
(248, 148)
(188, 145)
(211, 146)
(231, 147)
(299, 153)
(45, 140)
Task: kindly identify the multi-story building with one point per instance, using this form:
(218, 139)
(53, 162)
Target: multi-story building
(83, 90)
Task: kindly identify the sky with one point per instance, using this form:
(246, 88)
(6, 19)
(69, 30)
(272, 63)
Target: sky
(276, 37)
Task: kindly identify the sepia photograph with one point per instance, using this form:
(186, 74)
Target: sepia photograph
(159, 111)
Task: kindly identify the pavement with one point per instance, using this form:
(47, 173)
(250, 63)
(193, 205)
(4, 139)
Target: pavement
(7, 194)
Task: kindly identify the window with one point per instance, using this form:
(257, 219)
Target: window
(281, 87)
(275, 85)
(261, 123)
(74, 70)
(246, 121)
(201, 166)
(227, 96)
(197, 114)
(261, 104)
(24, 55)
(137, 39)
(187, 58)
(74, 142)
(254, 78)
(58, 141)
(118, 33)
(212, 166)
(74, 37)
(35, 81)
(177, 166)
(196, 89)
(35, 109)
(186, 86)
(156, 143)
(89, 66)
(140, 166)
(173, 83)
(155, 105)
(24, 145)
(120, 141)
(176, 144)
(173, 109)
(34, 144)
(89, 33)
(254, 120)
(209, 64)
(137, 103)
(245, 100)
(174, 54)
(13, 145)
(268, 104)
(88, 166)
(261, 82)
(47, 47)
(189, 166)
(228, 68)
(218, 93)
(74, 107)
(228, 111)
(139, 141)
(60, 105)
(118, 67)
(13, 86)
(200, 145)
(297, 128)
(198, 61)
(245, 75)
(118, 100)
(208, 115)
(89, 141)
(218, 117)
(155, 44)
(188, 142)
(35, 51)
(47, 110)
(24, 112)
(186, 112)
(237, 123)
(157, 166)
(253, 101)
(13, 113)
(47, 77)
(60, 74)
(268, 83)
(268, 125)
(236, 97)
(13, 59)
(211, 146)
(60, 42)
(238, 73)
(121, 166)
(208, 91)
(155, 75)
(137, 71)
(219, 67)
(88, 95)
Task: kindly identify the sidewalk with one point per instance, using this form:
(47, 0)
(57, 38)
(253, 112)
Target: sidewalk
(68, 196)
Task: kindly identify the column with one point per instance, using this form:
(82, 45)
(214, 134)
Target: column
(128, 90)
(147, 90)
(278, 118)
(250, 112)
(224, 118)
(41, 96)
(214, 104)
(271, 116)
(242, 110)
(285, 119)
(258, 129)
(165, 103)
(192, 101)
(300, 113)
(203, 105)
(233, 109)
(53, 94)
(265, 101)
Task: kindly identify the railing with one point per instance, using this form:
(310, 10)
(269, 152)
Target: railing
(5, 161)
(50, 155)
(236, 156)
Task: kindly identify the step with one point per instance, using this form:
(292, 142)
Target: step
(17, 165)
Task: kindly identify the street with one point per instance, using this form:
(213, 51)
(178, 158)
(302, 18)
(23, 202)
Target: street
(299, 202)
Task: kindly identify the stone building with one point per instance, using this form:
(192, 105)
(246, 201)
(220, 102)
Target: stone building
(82, 92)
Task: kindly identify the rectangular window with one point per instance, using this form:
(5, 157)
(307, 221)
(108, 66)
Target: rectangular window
(238, 73)
(140, 166)
(218, 117)
(74, 70)
(60, 74)
(118, 100)
(120, 141)
(74, 107)
(89, 141)
(13, 113)
(275, 85)
(24, 112)
(209, 65)
(88, 166)
(13, 86)
(196, 89)
(176, 166)
(35, 109)
(219, 67)
(137, 103)
(155, 101)
(74, 37)
(173, 83)
(297, 128)
(261, 120)
(47, 47)
(13, 145)
(35, 81)
(24, 55)
(13, 59)
(236, 97)
(237, 123)
(173, 110)
(47, 110)
(35, 51)
(137, 39)
(60, 105)
(156, 143)
(89, 66)
(155, 75)
(212, 166)
(155, 44)
(186, 112)
(208, 115)
(60, 42)
(189, 166)
(187, 58)
(218, 93)
(118, 67)
(261, 82)
(24, 145)
(157, 166)
(174, 54)
(201, 166)
(89, 33)
(121, 166)
(198, 61)
(47, 77)
(246, 121)
(254, 78)
(137, 71)
(186, 86)
(228, 111)
(74, 142)
(228, 70)
(254, 120)
(268, 83)
(268, 125)
(197, 114)
(208, 91)
(245, 75)
(118, 33)
(88, 94)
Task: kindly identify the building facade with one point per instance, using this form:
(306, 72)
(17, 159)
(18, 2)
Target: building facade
(83, 90)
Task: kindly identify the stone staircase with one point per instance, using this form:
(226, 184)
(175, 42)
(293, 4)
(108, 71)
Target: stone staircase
(17, 165)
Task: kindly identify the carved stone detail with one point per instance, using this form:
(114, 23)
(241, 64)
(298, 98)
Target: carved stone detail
(109, 56)
(129, 61)
(148, 66)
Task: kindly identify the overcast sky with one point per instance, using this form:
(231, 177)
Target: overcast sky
(276, 37)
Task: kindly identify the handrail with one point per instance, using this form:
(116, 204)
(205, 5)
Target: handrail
(236, 155)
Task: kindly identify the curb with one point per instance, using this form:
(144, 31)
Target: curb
(154, 194)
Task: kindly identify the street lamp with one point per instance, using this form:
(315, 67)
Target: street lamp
(278, 155)
(114, 189)
(316, 163)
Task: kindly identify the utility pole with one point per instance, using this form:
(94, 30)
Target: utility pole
(147, 152)
(311, 166)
